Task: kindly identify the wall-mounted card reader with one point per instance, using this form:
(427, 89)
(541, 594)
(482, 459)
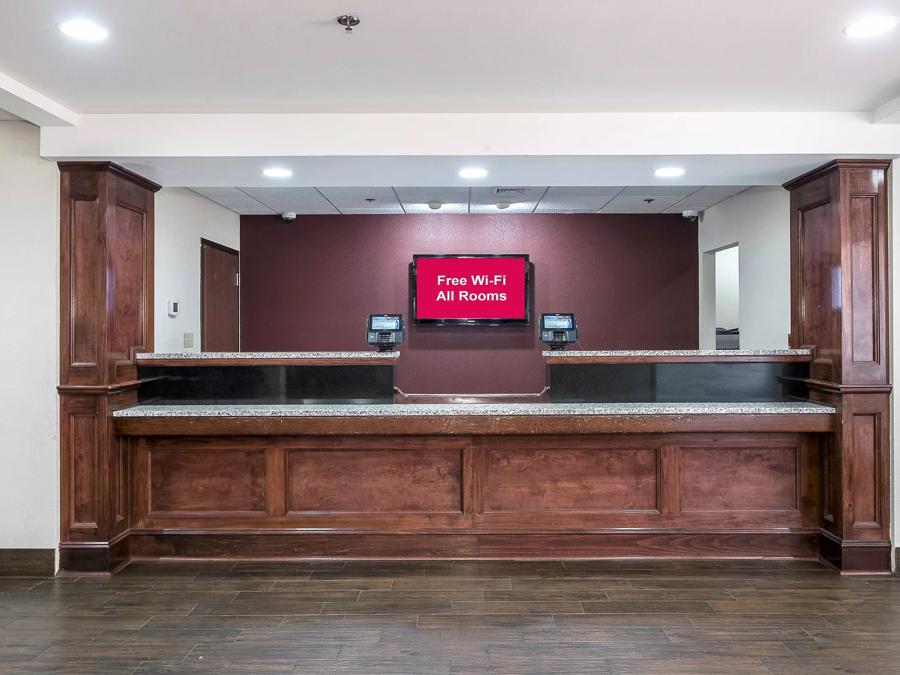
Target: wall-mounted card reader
(558, 330)
(385, 331)
(173, 307)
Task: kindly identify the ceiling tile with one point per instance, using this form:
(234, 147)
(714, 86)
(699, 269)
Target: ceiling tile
(353, 200)
(706, 197)
(416, 199)
(234, 199)
(637, 204)
(576, 199)
(303, 200)
(659, 191)
(520, 199)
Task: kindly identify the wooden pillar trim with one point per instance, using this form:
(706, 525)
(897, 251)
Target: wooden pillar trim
(839, 305)
(106, 316)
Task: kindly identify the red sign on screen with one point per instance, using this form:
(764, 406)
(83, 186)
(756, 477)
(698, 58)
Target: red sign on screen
(471, 288)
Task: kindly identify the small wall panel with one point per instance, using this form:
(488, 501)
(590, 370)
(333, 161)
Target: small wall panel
(819, 269)
(207, 480)
(738, 479)
(565, 480)
(127, 264)
(864, 470)
(83, 434)
(351, 481)
(863, 284)
(85, 282)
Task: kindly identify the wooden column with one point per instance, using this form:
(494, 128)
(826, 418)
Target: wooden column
(839, 306)
(106, 315)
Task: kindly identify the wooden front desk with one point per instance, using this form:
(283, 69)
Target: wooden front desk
(473, 486)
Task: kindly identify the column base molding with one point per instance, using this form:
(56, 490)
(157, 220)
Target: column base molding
(855, 557)
(94, 557)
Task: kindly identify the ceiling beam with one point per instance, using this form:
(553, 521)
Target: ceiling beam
(112, 136)
(32, 106)
(888, 112)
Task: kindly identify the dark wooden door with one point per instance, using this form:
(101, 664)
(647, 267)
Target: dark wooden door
(219, 298)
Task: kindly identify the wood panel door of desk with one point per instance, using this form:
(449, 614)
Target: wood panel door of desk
(219, 298)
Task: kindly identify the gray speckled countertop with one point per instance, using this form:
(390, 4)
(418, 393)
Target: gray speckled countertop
(480, 409)
(682, 352)
(162, 356)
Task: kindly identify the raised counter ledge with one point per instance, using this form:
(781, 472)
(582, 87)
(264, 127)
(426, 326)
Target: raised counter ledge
(356, 358)
(472, 419)
(562, 357)
(476, 409)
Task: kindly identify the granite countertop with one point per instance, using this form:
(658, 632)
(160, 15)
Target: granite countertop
(479, 409)
(163, 356)
(681, 352)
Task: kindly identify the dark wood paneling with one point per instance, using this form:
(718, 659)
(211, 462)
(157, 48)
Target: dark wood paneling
(106, 272)
(208, 480)
(126, 279)
(652, 544)
(263, 546)
(739, 479)
(564, 479)
(866, 446)
(408, 496)
(819, 270)
(863, 284)
(839, 286)
(518, 545)
(426, 480)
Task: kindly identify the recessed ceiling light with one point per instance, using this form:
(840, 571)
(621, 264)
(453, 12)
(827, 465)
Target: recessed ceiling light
(669, 172)
(502, 205)
(473, 172)
(84, 30)
(277, 172)
(870, 26)
(434, 206)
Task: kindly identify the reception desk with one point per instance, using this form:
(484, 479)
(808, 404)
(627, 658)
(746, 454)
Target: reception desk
(305, 455)
(283, 480)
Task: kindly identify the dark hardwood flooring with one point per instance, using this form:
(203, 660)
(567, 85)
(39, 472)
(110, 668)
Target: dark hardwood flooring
(622, 616)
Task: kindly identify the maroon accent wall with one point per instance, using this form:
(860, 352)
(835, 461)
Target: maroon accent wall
(631, 280)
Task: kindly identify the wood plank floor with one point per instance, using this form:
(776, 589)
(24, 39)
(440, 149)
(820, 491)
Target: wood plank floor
(454, 617)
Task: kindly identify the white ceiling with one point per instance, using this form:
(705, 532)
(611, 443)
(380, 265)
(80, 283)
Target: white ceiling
(459, 55)
(423, 172)
(530, 199)
(7, 116)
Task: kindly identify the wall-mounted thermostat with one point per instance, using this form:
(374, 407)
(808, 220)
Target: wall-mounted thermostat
(174, 306)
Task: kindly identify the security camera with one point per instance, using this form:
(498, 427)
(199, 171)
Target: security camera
(289, 216)
(690, 214)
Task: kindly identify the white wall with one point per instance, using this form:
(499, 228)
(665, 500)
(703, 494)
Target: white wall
(183, 218)
(758, 220)
(728, 286)
(29, 343)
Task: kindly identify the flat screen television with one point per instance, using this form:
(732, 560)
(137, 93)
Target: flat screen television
(471, 290)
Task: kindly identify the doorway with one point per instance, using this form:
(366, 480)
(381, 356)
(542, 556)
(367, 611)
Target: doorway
(728, 327)
(219, 298)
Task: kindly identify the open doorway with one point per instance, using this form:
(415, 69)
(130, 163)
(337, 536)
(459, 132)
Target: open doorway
(219, 298)
(728, 315)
